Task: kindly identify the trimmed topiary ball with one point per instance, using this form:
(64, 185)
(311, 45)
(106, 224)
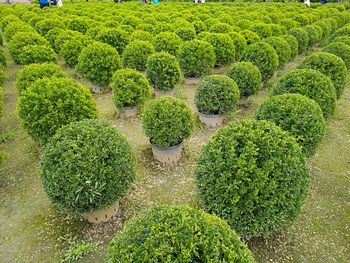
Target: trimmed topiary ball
(49, 104)
(115, 37)
(199, 26)
(293, 43)
(141, 35)
(239, 42)
(167, 122)
(168, 42)
(253, 175)
(312, 84)
(341, 50)
(78, 24)
(314, 37)
(130, 88)
(221, 28)
(302, 37)
(183, 234)
(216, 95)
(33, 72)
(250, 36)
(71, 50)
(136, 54)
(331, 66)
(197, 58)
(97, 62)
(264, 57)
(223, 47)
(282, 49)
(163, 71)
(36, 54)
(263, 30)
(300, 116)
(86, 166)
(247, 76)
(343, 39)
(186, 33)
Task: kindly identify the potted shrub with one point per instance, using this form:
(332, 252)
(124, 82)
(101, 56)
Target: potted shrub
(163, 72)
(215, 96)
(116, 37)
(303, 38)
(71, 50)
(223, 47)
(239, 42)
(168, 42)
(48, 104)
(136, 54)
(293, 43)
(130, 88)
(186, 33)
(86, 168)
(195, 236)
(282, 49)
(36, 54)
(341, 50)
(253, 175)
(167, 122)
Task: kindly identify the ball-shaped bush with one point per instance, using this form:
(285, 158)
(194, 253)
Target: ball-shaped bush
(341, 50)
(97, 62)
(33, 72)
(282, 48)
(49, 104)
(78, 24)
(312, 84)
(330, 65)
(16, 27)
(115, 37)
(223, 47)
(216, 95)
(66, 35)
(221, 28)
(300, 116)
(86, 166)
(239, 42)
(168, 42)
(167, 122)
(343, 39)
(163, 71)
(36, 54)
(253, 175)
(250, 36)
(141, 35)
(3, 62)
(196, 58)
(314, 37)
(199, 26)
(263, 56)
(71, 50)
(183, 233)
(247, 76)
(293, 44)
(303, 38)
(130, 88)
(263, 30)
(136, 54)
(186, 33)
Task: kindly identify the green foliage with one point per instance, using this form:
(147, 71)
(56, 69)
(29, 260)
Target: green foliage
(223, 47)
(86, 166)
(97, 62)
(247, 76)
(186, 33)
(177, 234)
(289, 23)
(2, 76)
(341, 50)
(313, 35)
(141, 35)
(300, 116)
(250, 36)
(303, 38)
(263, 30)
(343, 39)
(216, 95)
(163, 71)
(239, 42)
(331, 66)
(264, 57)
(49, 104)
(36, 54)
(52, 35)
(253, 174)
(16, 27)
(78, 250)
(1, 102)
(199, 26)
(79, 24)
(293, 43)
(66, 35)
(115, 37)
(136, 54)
(168, 42)
(221, 28)
(71, 50)
(312, 84)
(282, 48)
(196, 58)
(3, 62)
(45, 25)
(130, 88)
(167, 122)
(31, 73)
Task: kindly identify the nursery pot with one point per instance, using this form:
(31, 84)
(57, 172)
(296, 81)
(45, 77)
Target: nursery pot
(211, 121)
(161, 93)
(103, 215)
(169, 156)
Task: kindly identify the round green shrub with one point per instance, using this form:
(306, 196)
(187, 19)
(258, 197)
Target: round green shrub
(67, 35)
(223, 47)
(239, 42)
(33, 72)
(45, 25)
(136, 54)
(314, 37)
(247, 76)
(253, 175)
(167, 122)
(300, 116)
(303, 38)
(71, 50)
(16, 27)
(221, 28)
(163, 71)
(250, 36)
(3, 62)
(289, 23)
(264, 57)
(331, 66)
(78, 24)
(277, 30)
(115, 37)
(141, 35)
(282, 48)
(186, 33)
(168, 42)
(36, 54)
(49, 104)
(312, 84)
(341, 50)
(52, 35)
(343, 39)
(183, 234)
(293, 43)
(263, 30)
(216, 95)
(301, 19)
(130, 88)
(97, 62)
(86, 166)
(197, 58)
(326, 28)
(199, 26)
